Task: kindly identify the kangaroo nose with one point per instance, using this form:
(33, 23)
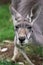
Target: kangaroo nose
(21, 39)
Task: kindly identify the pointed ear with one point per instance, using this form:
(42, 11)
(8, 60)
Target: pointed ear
(35, 11)
(14, 6)
(12, 10)
(15, 15)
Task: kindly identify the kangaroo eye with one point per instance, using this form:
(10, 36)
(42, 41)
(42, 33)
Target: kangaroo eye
(15, 18)
(29, 27)
(16, 27)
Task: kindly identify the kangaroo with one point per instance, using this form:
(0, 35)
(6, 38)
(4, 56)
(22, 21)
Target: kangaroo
(25, 14)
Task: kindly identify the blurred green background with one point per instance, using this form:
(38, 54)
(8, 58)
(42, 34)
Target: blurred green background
(6, 24)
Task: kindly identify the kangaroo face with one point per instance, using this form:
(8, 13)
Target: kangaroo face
(23, 32)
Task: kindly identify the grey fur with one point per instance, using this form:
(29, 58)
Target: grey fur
(24, 7)
(32, 8)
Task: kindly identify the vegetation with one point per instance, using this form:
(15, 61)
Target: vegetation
(6, 63)
(6, 26)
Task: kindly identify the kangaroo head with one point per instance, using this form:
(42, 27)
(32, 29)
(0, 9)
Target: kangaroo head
(24, 26)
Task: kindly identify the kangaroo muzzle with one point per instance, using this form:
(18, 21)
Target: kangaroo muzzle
(22, 35)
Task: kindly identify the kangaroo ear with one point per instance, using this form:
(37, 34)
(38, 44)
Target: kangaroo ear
(12, 10)
(14, 6)
(35, 11)
(15, 15)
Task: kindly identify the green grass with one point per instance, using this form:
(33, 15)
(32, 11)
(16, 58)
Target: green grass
(6, 63)
(6, 26)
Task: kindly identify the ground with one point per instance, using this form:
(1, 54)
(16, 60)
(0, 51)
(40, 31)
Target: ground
(7, 55)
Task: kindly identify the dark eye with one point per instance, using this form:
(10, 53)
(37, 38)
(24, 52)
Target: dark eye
(16, 27)
(29, 27)
(15, 18)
